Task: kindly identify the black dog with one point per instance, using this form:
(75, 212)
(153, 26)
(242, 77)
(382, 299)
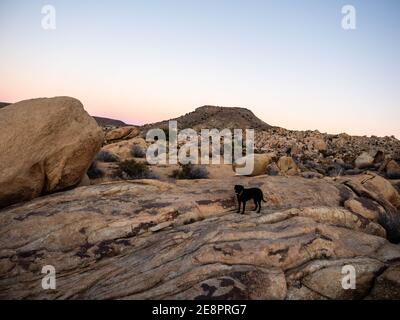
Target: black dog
(244, 195)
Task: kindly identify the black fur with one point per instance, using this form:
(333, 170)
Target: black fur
(243, 195)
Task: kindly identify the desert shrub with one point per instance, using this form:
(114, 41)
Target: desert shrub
(106, 156)
(94, 172)
(190, 171)
(138, 152)
(131, 169)
(334, 170)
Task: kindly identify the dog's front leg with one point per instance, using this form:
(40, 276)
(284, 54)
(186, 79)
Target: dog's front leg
(244, 207)
(239, 204)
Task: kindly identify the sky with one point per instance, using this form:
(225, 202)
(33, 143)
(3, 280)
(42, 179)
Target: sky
(290, 62)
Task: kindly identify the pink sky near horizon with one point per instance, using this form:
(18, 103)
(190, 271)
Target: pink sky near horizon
(133, 102)
(137, 113)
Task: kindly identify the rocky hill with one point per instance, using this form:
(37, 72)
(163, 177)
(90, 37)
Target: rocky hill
(328, 154)
(4, 104)
(212, 117)
(107, 122)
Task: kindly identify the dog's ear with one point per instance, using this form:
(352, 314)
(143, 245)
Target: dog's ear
(238, 188)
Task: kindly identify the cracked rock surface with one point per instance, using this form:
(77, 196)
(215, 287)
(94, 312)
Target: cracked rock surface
(184, 240)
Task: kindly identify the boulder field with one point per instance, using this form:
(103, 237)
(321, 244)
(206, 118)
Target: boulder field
(148, 239)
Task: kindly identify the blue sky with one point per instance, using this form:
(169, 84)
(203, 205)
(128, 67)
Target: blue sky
(290, 62)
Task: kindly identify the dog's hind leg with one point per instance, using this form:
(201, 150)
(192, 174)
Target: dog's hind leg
(259, 206)
(256, 204)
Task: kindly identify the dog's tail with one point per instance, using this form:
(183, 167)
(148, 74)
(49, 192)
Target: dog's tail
(263, 199)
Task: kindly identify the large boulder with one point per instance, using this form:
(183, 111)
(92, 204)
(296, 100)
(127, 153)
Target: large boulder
(328, 277)
(380, 191)
(46, 145)
(318, 144)
(127, 132)
(383, 188)
(393, 170)
(261, 162)
(364, 160)
(365, 208)
(287, 166)
(123, 149)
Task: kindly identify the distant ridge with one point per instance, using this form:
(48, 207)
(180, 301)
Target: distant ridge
(209, 117)
(205, 117)
(104, 122)
(4, 104)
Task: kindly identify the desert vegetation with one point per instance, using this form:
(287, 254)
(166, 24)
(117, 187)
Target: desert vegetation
(190, 171)
(132, 169)
(94, 172)
(138, 152)
(106, 156)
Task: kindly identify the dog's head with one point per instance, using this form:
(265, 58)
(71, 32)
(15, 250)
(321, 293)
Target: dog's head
(238, 189)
